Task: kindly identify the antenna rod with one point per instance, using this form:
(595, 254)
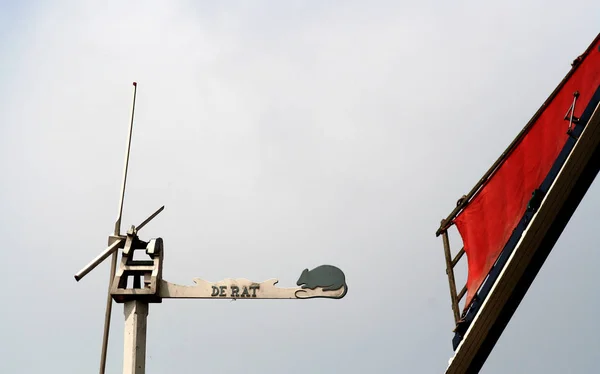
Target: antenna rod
(113, 263)
(118, 223)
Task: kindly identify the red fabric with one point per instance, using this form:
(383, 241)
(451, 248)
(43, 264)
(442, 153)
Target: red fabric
(487, 222)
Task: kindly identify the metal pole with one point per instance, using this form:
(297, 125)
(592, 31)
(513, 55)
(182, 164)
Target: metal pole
(117, 232)
(112, 249)
(134, 353)
(118, 222)
(113, 266)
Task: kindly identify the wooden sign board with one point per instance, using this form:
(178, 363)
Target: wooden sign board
(325, 281)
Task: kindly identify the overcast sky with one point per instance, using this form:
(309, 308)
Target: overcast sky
(280, 135)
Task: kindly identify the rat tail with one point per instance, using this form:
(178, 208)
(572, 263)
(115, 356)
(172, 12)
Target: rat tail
(345, 291)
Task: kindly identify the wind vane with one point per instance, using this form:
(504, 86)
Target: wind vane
(147, 285)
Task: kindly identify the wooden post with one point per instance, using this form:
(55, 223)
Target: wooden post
(134, 354)
(450, 272)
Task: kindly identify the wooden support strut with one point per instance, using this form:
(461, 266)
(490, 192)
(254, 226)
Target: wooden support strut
(450, 273)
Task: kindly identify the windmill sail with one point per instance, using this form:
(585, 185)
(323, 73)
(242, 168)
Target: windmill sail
(496, 214)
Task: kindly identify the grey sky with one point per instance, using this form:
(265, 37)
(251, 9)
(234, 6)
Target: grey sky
(280, 136)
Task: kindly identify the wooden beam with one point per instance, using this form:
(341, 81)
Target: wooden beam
(450, 273)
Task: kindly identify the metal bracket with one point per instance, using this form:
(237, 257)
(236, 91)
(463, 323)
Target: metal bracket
(570, 116)
(536, 200)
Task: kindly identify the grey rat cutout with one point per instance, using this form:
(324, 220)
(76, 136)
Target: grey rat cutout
(328, 277)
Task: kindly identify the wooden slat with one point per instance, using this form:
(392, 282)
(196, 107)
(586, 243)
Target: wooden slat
(458, 256)
(462, 293)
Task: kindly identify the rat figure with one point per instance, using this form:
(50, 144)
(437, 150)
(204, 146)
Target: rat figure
(328, 277)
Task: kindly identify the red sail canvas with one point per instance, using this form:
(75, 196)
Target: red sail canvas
(487, 222)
